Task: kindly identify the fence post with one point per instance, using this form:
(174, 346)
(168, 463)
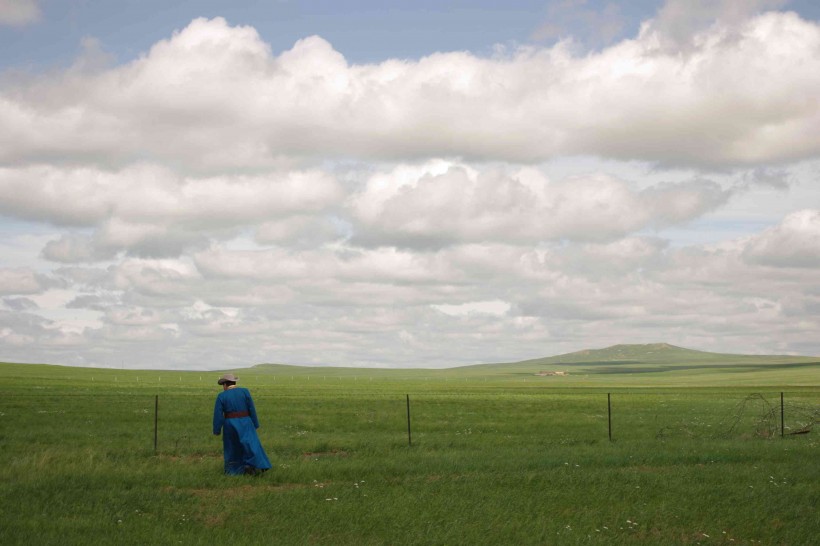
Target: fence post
(409, 436)
(609, 414)
(782, 419)
(156, 414)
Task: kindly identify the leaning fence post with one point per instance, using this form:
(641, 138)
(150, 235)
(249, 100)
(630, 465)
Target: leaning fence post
(156, 414)
(609, 414)
(782, 427)
(409, 436)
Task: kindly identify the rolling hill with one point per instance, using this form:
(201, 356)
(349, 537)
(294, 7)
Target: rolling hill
(656, 364)
(657, 360)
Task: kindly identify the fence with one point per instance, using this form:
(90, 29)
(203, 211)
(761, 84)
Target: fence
(180, 424)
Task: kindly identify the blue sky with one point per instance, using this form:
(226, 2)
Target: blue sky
(365, 31)
(408, 184)
(362, 31)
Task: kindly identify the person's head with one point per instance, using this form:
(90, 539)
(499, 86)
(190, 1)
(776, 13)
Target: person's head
(227, 381)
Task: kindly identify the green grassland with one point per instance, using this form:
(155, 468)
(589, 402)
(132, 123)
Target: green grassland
(498, 455)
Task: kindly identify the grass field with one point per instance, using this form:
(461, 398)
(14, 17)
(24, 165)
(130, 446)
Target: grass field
(498, 456)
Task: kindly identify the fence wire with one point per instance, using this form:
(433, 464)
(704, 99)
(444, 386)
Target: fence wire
(323, 422)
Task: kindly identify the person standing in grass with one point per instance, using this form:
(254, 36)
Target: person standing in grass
(235, 417)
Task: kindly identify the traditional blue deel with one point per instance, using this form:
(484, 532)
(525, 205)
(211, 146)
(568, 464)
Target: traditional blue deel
(240, 442)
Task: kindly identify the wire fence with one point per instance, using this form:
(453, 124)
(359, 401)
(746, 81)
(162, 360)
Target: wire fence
(180, 424)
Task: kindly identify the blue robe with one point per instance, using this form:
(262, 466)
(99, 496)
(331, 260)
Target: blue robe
(240, 444)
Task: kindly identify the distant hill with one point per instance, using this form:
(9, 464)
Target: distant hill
(655, 364)
(659, 360)
(637, 353)
(655, 357)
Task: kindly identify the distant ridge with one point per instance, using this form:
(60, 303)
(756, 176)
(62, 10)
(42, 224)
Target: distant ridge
(653, 364)
(659, 355)
(630, 353)
(634, 360)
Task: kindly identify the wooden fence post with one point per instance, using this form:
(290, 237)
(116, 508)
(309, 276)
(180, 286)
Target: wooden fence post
(609, 414)
(156, 416)
(409, 436)
(782, 418)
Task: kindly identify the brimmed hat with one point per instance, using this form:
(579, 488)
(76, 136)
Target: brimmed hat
(227, 378)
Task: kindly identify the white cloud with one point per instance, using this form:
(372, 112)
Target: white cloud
(20, 304)
(793, 243)
(680, 22)
(20, 281)
(383, 265)
(19, 12)
(495, 307)
(222, 205)
(575, 20)
(73, 248)
(152, 211)
(225, 101)
(151, 194)
(462, 204)
(300, 231)
(132, 316)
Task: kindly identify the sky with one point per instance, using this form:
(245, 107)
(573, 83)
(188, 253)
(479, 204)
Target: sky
(212, 185)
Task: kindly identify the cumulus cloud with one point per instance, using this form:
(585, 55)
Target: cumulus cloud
(152, 211)
(576, 20)
(494, 301)
(91, 301)
(795, 242)
(495, 307)
(679, 23)
(462, 205)
(73, 248)
(131, 316)
(22, 280)
(20, 304)
(19, 12)
(769, 177)
(225, 101)
(155, 195)
(153, 278)
(222, 204)
(301, 231)
(353, 265)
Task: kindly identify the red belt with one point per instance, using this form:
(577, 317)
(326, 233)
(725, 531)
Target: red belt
(236, 414)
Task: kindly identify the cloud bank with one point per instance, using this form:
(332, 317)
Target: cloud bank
(214, 97)
(214, 203)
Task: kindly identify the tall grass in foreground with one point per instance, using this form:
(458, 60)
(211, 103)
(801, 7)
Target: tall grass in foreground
(503, 464)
